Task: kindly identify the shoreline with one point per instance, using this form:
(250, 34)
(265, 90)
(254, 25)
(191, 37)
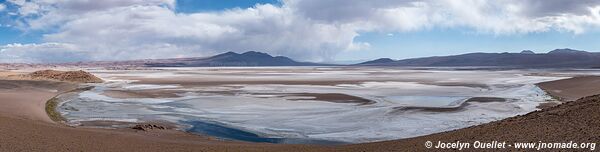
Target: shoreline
(151, 125)
(573, 88)
(53, 103)
(102, 124)
(24, 134)
(58, 118)
(26, 131)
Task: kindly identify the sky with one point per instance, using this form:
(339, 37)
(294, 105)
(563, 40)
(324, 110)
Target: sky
(51, 31)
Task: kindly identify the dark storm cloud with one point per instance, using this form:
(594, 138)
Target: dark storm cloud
(343, 10)
(540, 8)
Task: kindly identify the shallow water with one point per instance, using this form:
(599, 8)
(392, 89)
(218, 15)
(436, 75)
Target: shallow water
(241, 114)
(220, 131)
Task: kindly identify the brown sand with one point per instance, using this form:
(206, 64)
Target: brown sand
(4, 74)
(573, 88)
(31, 96)
(27, 135)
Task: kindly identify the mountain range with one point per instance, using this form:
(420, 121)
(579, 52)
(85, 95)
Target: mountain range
(559, 58)
(251, 58)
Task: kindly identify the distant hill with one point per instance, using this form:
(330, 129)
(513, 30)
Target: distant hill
(559, 58)
(378, 61)
(527, 52)
(251, 58)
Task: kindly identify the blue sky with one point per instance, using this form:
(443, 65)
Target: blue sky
(190, 6)
(310, 30)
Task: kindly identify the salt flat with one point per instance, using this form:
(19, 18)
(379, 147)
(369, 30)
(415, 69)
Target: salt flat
(312, 103)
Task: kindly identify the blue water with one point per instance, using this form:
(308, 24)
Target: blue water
(227, 133)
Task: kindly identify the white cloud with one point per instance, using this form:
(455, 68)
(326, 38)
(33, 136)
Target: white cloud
(344, 10)
(2, 7)
(491, 17)
(40, 14)
(541, 8)
(158, 32)
(305, 30)
(41, 53)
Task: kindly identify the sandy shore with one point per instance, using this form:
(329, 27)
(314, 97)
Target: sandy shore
(26, 99)
(577, 121)
(24, 126)
(573, 88)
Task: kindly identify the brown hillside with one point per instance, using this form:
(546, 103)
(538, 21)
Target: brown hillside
(577, 121)
(67, 76)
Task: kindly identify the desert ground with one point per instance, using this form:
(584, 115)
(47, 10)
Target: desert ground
(25, 125)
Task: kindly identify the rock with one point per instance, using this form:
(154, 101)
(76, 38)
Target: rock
(148, 127)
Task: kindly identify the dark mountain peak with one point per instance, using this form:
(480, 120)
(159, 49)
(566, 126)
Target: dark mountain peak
(385, 60)
(229, 53)
(566, 51)
(249, 54)
(379, 61)
(256, 54)
(559, 58)
(250, 58)
(527, 52)
(225, 54)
